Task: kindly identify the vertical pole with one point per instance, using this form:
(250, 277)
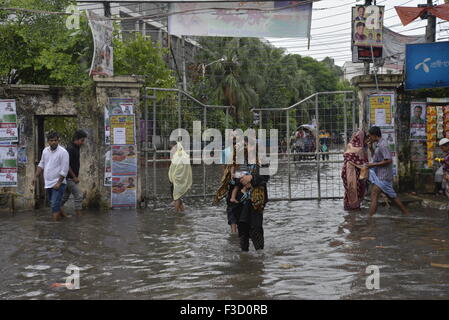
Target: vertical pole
(154, 147)
(204, 165)
(431, 25)
(146, 145)
(107, 9)
(179, 110)
(317, 143)
(345, 117)
(353, 112)
(184, 76)
(288, 156)
(227, 118)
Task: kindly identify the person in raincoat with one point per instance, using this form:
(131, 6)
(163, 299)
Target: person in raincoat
(180, 176)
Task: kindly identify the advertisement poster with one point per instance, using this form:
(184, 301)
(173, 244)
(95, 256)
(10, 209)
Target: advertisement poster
(367, 32)
(418, 121)
(124, 191)
(8, 166)
(390, 136)
(124, 160)
(103, 59)
(122, 130)
(242, 19)
(381, 106)
(431, 134)
(107, 169)
(8, 121)
(121, 106)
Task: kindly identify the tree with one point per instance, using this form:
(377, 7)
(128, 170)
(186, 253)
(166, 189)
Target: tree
(39, 49)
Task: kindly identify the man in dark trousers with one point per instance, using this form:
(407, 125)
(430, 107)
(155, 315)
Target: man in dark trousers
(79, 138)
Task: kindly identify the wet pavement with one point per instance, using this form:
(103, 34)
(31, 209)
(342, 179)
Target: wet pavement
(314, 250)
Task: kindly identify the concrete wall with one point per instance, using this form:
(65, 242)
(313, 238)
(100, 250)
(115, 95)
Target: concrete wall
(87, 105)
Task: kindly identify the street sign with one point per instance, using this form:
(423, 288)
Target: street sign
(427, 65)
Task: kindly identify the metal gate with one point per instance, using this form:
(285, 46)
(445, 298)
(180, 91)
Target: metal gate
(164, 111)
(311, 168)
(303, 174)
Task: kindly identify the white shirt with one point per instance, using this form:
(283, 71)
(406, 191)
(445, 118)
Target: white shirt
(55, 164)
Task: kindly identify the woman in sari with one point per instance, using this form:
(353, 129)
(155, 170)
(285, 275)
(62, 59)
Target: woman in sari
(355, 157)
(245, 217)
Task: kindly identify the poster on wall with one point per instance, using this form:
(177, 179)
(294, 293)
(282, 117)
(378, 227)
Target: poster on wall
(367, 32)
(381, 109)
(107, 169)
(124, 191)
(124, 160)
(431, 134)
(123, 130)
(390, 136)
(418, 121)
(8, 121)
(8, 165)
(121, 106)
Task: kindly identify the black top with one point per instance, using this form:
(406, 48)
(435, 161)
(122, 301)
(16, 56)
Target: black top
(74, 155)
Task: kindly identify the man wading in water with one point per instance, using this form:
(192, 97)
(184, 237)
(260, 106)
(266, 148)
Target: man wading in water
(79, 138)
(381, 171)
(55, 165)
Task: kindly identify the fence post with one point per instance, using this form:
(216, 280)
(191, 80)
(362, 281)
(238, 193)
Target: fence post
(154, 147)
(353, 112)
(288, 156)
(317, 143)
(145, 96)
(204, 165)
(345, 121)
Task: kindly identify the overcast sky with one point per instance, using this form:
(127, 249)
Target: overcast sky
(331, 28)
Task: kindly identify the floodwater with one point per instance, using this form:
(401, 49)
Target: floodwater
(313, 250)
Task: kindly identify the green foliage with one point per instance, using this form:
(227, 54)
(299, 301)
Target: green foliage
(64, 126)
(39, 49)
(255, 74)
(139, 56)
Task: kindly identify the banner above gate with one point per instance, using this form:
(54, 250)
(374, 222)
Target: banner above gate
(285, 19)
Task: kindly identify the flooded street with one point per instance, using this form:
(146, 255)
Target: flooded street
(313, 251)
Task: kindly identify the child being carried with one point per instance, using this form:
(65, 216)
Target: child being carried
(237, 174)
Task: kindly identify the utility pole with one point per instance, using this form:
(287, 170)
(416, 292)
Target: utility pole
(431, 25)
(107, 9)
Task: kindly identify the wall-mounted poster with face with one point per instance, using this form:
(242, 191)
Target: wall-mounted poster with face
(367, 33)
(418, 121)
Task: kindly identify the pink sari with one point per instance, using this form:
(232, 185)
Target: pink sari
(355, 156)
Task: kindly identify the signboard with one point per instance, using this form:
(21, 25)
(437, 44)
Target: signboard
(124, 192)
(427, 65)
(103, 59)
(8, 166)
(8, 121)
(418, 121)
(122, 130)
(241, 19)
(381, 109)
(367, 32)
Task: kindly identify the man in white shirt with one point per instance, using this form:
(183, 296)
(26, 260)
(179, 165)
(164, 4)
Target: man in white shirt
(55, 165)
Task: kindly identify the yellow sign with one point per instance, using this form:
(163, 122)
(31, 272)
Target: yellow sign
(123, 130)
(380, 110)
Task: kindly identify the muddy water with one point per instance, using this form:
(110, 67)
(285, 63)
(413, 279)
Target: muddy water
(314, 250)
